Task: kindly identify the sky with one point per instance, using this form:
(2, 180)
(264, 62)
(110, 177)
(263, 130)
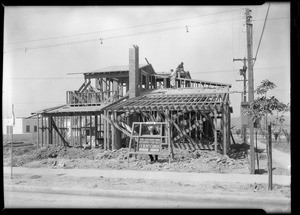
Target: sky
(43, 44)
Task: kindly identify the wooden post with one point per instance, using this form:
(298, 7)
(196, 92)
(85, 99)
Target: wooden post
(71, 130)
(53, 133)
(256, 149)
(224, 131)
(50, 133)
(113, 133)
(96, 130)
(147, 82)
(104, 132)
(42, 119)
(91, 122)
(228, 127)
(38, 131)
(269, 154)
(201, 127)
(85, 128)
(249, 33)
(215, 130)
(80, 130)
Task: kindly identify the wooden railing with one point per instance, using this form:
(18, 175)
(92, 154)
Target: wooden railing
(74, 97)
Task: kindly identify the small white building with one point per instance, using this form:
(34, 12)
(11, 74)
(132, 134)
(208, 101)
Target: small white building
(23, 125)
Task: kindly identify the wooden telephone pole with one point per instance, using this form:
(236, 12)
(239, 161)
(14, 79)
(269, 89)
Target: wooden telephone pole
(243, 73)
(250, 85)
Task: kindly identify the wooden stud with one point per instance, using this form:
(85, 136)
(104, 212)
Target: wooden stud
(104, 132)
(50, 133)
(113, 136)
(96, 129)
(71, 130)
(42, 122)
(224, 131)
(38, 131)
(91, 123)
(215, 130)
(80, 130)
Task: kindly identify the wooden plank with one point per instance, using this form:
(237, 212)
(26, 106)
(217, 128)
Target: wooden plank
(80, 131)
(215, 130)
(49, 131)
(224, 132)
(105, 130)
(38, 131)
(96, 130)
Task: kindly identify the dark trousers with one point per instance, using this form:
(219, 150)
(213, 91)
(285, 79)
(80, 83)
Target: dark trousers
(152, 158)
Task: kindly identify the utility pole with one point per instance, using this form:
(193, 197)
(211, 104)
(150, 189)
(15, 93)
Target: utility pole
(244, 99)
(250, 85)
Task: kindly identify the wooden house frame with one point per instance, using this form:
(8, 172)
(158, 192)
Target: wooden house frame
(101, 111)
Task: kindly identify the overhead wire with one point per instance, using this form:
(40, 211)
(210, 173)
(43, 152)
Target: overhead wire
(122, 28)
(121, 36)
(112, 37)
(262, 33)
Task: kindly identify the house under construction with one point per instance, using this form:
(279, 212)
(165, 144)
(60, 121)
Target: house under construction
(101, 112)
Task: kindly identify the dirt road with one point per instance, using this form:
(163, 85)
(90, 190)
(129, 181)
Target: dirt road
(49, 200)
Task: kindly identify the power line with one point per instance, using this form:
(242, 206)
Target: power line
(122, 28)
(34, 78)
(109, 38)
(25, 103)
(122, 36)
(261, 34)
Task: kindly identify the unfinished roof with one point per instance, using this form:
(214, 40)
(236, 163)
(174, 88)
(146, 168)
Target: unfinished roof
(174, 101)
(117, 71)
(122, 68)
(68, 110)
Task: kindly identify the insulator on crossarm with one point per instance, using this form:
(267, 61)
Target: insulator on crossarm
(187, 29)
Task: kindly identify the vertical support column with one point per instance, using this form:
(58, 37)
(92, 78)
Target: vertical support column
(42, 119)
(147, 82)
(115, 88)
(38, 131)
(76, 130)
(91, 127)
(96, 130)
(215, 130)
(113, 133)
(50, 130)
(224, 131)
(105, 132)
(229, 128)
(53, 133)
(71, 130)
(80, 130)
(250, 85)
(85, 128)
(201, 127)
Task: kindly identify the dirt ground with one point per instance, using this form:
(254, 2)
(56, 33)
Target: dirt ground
(184, 160)
(204, 161)
(105, 183)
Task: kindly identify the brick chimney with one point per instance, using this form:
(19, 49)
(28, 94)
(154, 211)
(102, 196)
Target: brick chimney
(134, 81)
